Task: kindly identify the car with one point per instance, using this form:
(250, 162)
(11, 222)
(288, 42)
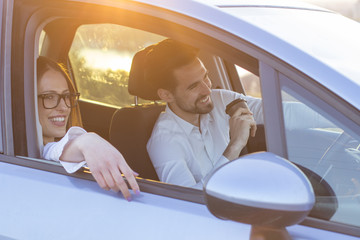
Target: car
(304, 180)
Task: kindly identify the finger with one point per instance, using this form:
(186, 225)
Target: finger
(130, 176)
(120, 183)
(132, 182)
(246, 117)
(253, 129)
(241, 111)
(100, 180)
(110, 182)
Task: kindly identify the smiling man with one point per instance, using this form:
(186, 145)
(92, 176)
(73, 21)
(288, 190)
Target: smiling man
(194, 135)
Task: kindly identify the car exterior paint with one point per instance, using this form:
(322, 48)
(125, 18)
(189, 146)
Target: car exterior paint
(41, 204)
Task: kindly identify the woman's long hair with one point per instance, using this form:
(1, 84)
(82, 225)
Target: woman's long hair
(45, 64)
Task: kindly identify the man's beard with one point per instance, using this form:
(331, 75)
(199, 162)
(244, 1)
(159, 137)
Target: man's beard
(196, 109)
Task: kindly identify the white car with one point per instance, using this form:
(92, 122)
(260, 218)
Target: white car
(282, 51)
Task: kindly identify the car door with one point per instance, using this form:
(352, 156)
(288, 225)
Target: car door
(318, 137)
(61, 21)
(303, 124)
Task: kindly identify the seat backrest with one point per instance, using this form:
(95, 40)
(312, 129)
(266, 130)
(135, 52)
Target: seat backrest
(131, 127)
(130, 130)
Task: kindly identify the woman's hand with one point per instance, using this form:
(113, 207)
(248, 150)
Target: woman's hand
(105, 162)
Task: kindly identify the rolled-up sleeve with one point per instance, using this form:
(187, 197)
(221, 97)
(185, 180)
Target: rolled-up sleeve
(53, 150)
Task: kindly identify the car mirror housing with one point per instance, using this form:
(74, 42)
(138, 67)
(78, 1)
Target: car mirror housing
(261, 189)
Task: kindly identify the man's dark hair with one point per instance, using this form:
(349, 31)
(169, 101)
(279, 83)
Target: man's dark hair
(163, 59)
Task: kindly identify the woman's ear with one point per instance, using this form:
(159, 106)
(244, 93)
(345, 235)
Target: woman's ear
(165, 95)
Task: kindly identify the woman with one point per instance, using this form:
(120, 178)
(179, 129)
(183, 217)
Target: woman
(66, 141)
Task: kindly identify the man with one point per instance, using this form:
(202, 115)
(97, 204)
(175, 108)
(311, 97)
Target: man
(194, 135)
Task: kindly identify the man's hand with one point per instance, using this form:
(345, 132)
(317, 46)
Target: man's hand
(245, 111)
(105, 162)
(242, 124)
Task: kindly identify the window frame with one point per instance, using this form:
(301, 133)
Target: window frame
(3, 80)
(6, 130)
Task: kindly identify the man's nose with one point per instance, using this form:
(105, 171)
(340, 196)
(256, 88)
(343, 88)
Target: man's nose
(206, 87)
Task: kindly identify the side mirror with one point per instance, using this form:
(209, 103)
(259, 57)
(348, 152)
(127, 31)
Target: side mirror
(263, 190)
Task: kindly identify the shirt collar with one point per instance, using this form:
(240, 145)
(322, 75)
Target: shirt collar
(186, 126)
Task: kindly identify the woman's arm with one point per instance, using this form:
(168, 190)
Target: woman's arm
(104, 161)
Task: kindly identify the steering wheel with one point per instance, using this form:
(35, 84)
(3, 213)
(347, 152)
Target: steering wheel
(337, 145)
(332, 159)
(326, 199)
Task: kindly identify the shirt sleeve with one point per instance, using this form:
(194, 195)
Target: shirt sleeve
(299, 116)
(52, 151)
(169, 159)
(255, 106)
(296, 114)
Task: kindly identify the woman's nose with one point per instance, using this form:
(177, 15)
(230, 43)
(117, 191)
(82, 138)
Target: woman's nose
(62, 105)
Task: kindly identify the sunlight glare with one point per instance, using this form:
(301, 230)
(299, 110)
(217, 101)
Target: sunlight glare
(113, 60)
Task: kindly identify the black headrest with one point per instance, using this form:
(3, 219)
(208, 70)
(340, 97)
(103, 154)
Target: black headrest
(137, 84)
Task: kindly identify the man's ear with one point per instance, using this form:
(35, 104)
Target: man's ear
(165, 95)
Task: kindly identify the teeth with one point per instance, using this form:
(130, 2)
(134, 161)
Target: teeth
(58, 119)
(205, 99)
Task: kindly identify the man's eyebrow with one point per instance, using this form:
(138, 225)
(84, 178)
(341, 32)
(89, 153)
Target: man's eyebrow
(192, 85)
(196, 83)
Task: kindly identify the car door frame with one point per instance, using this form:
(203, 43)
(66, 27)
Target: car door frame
(6, 130)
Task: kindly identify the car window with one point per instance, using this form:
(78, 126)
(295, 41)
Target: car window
(317, 141)
(101, 56)
(250, 82)
(41, 40)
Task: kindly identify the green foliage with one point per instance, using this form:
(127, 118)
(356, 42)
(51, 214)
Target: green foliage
(109, 86)
(106, 85)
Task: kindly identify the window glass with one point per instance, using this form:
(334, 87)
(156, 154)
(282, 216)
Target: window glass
(250, 82)
(41, 40)
(316, 141)
(101, 56)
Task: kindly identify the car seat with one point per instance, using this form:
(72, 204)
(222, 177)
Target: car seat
(131, 127)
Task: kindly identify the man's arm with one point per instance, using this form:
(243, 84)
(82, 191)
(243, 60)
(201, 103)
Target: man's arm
(297, 115)
(169, 160)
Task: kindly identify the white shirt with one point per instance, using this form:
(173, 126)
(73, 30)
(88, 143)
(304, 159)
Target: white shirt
(184, 155)
(53, 150)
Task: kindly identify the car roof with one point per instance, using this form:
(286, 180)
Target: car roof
(320, 43)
